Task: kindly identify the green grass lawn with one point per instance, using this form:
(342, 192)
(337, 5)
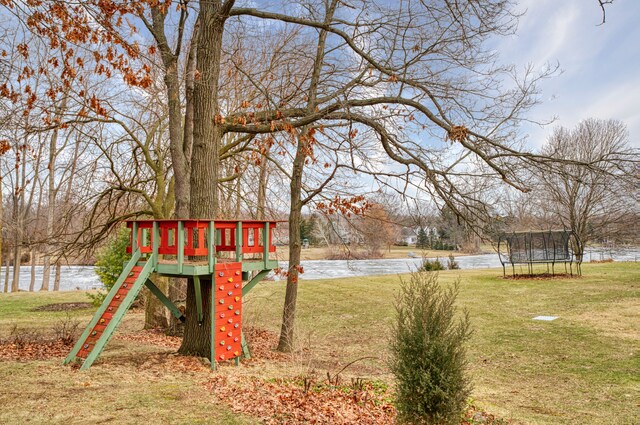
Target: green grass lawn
(583, 368)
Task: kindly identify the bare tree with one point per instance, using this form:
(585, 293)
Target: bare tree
(596, 185)
(377, 229)
(415, 78)
(603, 4)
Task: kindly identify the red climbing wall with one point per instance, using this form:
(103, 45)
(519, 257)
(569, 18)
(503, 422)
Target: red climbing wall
(227, 335)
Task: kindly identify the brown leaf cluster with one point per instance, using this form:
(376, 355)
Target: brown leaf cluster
(284, 401)
(70, 28)
(357, 205)
(262, 344)
(458, 133)
(34, 350)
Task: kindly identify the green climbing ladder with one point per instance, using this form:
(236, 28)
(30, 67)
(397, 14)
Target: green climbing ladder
(106, 320)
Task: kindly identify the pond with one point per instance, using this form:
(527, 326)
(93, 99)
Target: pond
(84, 277)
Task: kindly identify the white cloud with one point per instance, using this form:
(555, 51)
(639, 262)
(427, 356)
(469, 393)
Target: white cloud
(599, 62)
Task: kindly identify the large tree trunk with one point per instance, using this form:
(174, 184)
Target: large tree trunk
(295, 217)
(207, 136)
(32, 282)
(180, 138)
(46, 271)
(56, 277)
(262, 188)
(181, 146)
(197, 336)
(178, 296)
(179, 160)
(7, 263)
(295, 214)
(2, 248)
(51, 201)
(15, 284)
(155, 313)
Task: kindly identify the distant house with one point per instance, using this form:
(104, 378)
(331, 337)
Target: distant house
(409, 235)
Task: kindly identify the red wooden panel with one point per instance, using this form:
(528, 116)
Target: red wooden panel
(195, 244)
(200, 228)
(226, 244)
(168, 244)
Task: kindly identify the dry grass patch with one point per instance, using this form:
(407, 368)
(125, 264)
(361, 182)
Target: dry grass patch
(579, 369)
(620, 319)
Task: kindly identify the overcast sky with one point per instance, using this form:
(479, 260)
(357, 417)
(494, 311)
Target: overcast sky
(600, 64)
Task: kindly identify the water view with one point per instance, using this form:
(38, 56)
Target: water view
(84, 277)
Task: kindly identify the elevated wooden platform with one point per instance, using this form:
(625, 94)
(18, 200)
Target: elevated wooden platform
(193, 247)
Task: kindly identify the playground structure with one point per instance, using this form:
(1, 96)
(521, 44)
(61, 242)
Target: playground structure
(545, 247)
(207, 251)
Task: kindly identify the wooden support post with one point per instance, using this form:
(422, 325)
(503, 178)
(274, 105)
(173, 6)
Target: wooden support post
(166, 301)
(198, 290)
(239, 241)
(180, 256)
(211, 245)
(253, 282)
(245, 347)
(265, 243)
(134, 237)
(155, 242)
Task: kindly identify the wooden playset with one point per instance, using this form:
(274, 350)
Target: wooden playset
(220, 253)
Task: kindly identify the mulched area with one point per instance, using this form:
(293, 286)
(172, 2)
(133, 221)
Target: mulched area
(63, 307)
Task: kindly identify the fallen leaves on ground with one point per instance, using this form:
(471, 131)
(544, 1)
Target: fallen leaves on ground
(34, 350)
(263, 343)
(152, 337)
(285, 401)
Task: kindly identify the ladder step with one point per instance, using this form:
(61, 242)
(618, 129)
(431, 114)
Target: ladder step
(114, 304)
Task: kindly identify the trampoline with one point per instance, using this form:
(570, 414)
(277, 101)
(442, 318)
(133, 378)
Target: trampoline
(532, 248)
